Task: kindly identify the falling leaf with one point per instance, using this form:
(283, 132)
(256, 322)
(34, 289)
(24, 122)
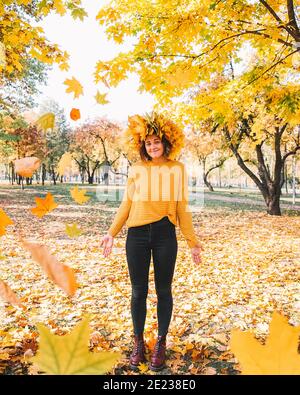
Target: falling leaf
(79, 195)
(4, 222)
(25, 167)
(74, 86)
(46, 121)
(44, 206)
(78, 13)
(75, 114)
(278, 356)
(8, 295)
(72, 230)
(64, 162)
(101, 98)
(59, 273)
(69, 354)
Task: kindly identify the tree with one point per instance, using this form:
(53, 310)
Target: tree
(181, 46)
(206, 144)
(19, 95)
(25, 53)
(22, 40)
(57, 140)
(94, 145)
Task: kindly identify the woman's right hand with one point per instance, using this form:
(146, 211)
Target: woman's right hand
(107, 242)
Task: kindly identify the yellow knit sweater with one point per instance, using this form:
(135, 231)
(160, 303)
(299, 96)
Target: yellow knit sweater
(153, 192)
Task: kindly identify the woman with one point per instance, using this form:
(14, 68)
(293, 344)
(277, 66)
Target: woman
(155, 197)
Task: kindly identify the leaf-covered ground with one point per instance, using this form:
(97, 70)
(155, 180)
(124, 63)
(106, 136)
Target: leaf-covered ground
(250, 267)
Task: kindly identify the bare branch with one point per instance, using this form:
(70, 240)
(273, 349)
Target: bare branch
(278, 19)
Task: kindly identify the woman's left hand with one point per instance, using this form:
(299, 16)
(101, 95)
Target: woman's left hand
(196, 251)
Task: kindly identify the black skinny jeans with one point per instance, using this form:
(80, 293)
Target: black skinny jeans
(160, 238)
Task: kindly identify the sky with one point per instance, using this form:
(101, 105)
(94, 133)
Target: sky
(86, 43)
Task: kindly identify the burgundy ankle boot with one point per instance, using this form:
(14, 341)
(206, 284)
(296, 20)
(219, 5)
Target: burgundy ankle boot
(138, 353)
(159, 355)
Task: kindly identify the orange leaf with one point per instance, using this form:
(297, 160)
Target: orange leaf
(25, 167)
(59, 273)
(8, 295)
(44, 206)
(4, 221)
(75, 114)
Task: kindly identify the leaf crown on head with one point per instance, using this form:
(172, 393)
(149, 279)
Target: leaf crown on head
(139, 127)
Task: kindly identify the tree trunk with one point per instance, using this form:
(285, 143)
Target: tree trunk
(53, 175)
(273, 204)
(82, 171)
(44, 172)
(270, 188)
(206, 173)
(207, 183)
(11, 172)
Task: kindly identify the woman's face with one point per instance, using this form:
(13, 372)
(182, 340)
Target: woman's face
(154, 146)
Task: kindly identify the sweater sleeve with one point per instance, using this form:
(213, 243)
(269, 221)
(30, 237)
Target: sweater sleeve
(183, 211)
(124, 208)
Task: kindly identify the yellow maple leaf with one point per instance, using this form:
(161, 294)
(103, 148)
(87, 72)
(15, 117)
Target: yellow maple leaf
(79, 195)
(72, 230)
(4, 222)
(59, 6)
(74, 86)
(64, 66)
(44, 206)
(101, 98)
(278, 356)
(46, 121)
(69, 354)
(143, 368)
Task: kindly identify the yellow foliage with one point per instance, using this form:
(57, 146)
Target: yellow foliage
(74, 86)
(46, 121)
(69, 354)
(278, 356)
(64, 162)
(79, 195)
(72, 230)
(101, 98)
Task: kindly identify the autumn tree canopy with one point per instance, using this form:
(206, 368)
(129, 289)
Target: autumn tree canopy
(191, 47)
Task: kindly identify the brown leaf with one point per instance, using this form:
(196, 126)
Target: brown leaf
(25, 167)
(7, 294)
(61, 274)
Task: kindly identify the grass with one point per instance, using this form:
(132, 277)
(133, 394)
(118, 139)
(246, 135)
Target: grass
(219, 199)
